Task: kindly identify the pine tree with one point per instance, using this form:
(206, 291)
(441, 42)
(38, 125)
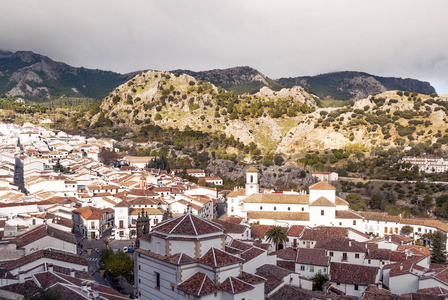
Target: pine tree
(438, 255)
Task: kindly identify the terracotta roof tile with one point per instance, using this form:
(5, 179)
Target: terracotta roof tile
(322, 185)
(199, 285)
(353, 274)
(235, 286)
(278, 215)
(322, 201)
(251, 278)
(286, 254)
(296, 230)
(188, 224)
(231, 227)
(323, 233)
(341, 244)
(217, 258)
(252, 169)
(315, 257)
(278, 198)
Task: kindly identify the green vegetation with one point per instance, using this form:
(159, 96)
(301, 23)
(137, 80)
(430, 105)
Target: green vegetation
(276, 235)
(118, 264)
(319, 280)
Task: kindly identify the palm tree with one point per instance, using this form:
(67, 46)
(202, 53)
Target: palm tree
(277, 235)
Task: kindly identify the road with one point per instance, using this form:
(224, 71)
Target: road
(88, 252)
(355, 179)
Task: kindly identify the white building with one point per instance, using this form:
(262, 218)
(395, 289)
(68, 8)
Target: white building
(185, 258)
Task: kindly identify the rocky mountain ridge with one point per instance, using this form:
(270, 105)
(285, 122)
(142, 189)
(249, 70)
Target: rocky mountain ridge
(355, 85)
(37, 77)
(241, 79)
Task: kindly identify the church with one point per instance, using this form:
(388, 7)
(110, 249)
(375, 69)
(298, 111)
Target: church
(320, 207)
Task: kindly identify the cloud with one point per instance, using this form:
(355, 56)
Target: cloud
(279, 38)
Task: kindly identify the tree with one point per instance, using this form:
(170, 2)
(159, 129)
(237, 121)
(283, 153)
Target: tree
(277, 235)
(319, 281)
(278, 160)
(407, 230)
(438, 255)
(108, 157)
(118, 264)
(375, 201)
(356, 201)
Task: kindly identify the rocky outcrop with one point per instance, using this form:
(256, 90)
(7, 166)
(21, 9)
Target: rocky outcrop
(37, 77)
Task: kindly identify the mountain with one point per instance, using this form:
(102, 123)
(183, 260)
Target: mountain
(37, 77)
(286, 121)
(354, 85)
(240, 79)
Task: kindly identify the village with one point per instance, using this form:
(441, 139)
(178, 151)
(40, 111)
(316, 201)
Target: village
(60, 207)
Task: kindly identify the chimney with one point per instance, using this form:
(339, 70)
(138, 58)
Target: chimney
(349, 243)
(72, 272)
(389, 238)
(401, 267)
(50, 268)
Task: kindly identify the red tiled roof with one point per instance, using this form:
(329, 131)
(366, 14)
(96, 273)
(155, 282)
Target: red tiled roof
(188, 224)
(89, 212)
(322, 185)
(315, 257)
(231, 227)
(235, 286)
(322, 201)
(296, 230)
(353, 274)
(324, 232)
(341, 244)
(286, 254)
(199, 285)
(217, 258)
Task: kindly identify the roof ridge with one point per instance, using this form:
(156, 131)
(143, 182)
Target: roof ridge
(192, 223)
(203, 281)
(214, 255)
(231, 285)
(183, 218)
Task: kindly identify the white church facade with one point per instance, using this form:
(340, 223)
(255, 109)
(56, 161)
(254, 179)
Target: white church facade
(320, 207)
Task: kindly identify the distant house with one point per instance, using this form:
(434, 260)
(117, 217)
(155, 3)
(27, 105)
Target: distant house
(325, 176)
(196, 172)
(90, 221)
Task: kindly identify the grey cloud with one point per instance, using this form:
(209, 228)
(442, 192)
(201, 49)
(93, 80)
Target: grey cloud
(279, 38)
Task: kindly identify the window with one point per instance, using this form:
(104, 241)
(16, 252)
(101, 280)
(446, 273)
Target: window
(344, 256)
(92, 225)
(325, 270)
(139, 267)
(331, 254)
(302, 268)
(322, 212)
(369, 261)
(356, 255)
(385, 229)
(340, 223)
(121, 224)
(251, 178)
(275, 208)
(261, 207)
(303, 208)
(419, 229)
(158, 281)
(311, 268)
(289, 208)
(356, 287)
(354, 222)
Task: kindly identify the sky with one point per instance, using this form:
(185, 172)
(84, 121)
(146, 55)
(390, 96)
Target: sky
(399, 38)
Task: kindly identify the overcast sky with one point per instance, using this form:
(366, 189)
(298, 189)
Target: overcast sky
(279, 38)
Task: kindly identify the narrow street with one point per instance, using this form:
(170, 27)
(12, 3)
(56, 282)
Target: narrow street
(88, 251)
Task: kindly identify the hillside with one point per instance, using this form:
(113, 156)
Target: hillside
(240, 79)
(287, 121)
(354, 85)
(37, 77)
